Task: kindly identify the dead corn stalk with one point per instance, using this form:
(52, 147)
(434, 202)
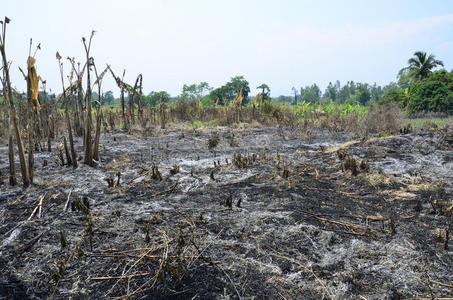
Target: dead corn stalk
(13, 116)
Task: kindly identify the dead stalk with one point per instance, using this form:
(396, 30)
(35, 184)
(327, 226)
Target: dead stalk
(13, 116)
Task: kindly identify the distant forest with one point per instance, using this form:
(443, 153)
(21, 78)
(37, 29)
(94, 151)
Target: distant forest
(421, 86)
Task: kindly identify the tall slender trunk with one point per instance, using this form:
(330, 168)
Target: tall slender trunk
(76, 114)
(88, 143)
(9, 125)
(131, 107)
(13, 116)
(123, 113)
(30, 128)
(140, 104)
(97, 136)
(80, 100)
(72, 159)
(12, 167)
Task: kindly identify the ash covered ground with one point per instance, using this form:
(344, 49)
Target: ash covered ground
(268, 213)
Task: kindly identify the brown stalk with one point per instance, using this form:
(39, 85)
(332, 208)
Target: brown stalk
(72, 159)
(12, 167)
(88, 143)
(97, 135)
(119, 83)
(13, 116)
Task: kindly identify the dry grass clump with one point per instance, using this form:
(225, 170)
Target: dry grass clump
(384, 119)
(174, 170)
(213, 141)
(377, 179)
(337, 122)
(364, 166)
(232, 141)
(242, 161)
(349, 163)
(123, 161)
(155, 173)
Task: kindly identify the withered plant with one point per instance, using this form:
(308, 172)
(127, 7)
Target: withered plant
(13, 116)
(88, 159)
(72, 159)
(97, 134)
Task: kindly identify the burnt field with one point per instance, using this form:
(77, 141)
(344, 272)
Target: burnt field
(229, 213)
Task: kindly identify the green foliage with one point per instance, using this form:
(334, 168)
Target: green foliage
(420, 66)
(107, 98)
(267, 107)
(306, 108)
(351, 93)
(295, 96)
(265, 90)
(398, 97)
(194, 91)
(428, 123)
(310, 93)
(228, 91)
(155, 98)
(201, 124)
(207, 102)
(332, 91)
(344, 109)
(433, 93)
(221, 95)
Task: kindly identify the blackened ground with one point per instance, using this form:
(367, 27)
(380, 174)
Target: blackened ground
(280, 221)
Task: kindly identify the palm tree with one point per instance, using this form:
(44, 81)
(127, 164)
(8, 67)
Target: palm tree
(264, 90)
(419, 67)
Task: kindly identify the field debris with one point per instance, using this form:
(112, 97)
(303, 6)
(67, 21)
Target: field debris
(265, 217)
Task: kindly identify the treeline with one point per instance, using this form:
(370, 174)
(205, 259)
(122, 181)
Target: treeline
(351, 93)
(419, 88)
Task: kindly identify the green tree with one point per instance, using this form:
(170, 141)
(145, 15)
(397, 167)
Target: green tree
(220, 95)
(433, 93)
(189, 92)
(201, 88)
(419, 67)
(310, 93)
(295, 95)
(265, 90)
(331, 92)
(364, 95)
(107, 98)
(398, 97)
(194, 91)
(238, 84)
(155, 98)
(228, 91)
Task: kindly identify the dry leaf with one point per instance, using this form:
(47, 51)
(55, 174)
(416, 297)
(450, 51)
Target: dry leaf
(58, 56)
(34, 81)
(31, 62)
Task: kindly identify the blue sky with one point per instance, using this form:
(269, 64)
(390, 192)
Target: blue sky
(281, 43)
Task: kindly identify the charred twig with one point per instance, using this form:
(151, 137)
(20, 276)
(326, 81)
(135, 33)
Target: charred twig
(121, 277)
(37, 208)
(441, 284)
(29, 244)
(308, 269)
(208, 260)
(67, 201)
(166, 191)
(349, 225)
(156, 275)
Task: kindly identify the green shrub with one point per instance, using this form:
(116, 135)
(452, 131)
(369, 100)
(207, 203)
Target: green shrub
(434, 93)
